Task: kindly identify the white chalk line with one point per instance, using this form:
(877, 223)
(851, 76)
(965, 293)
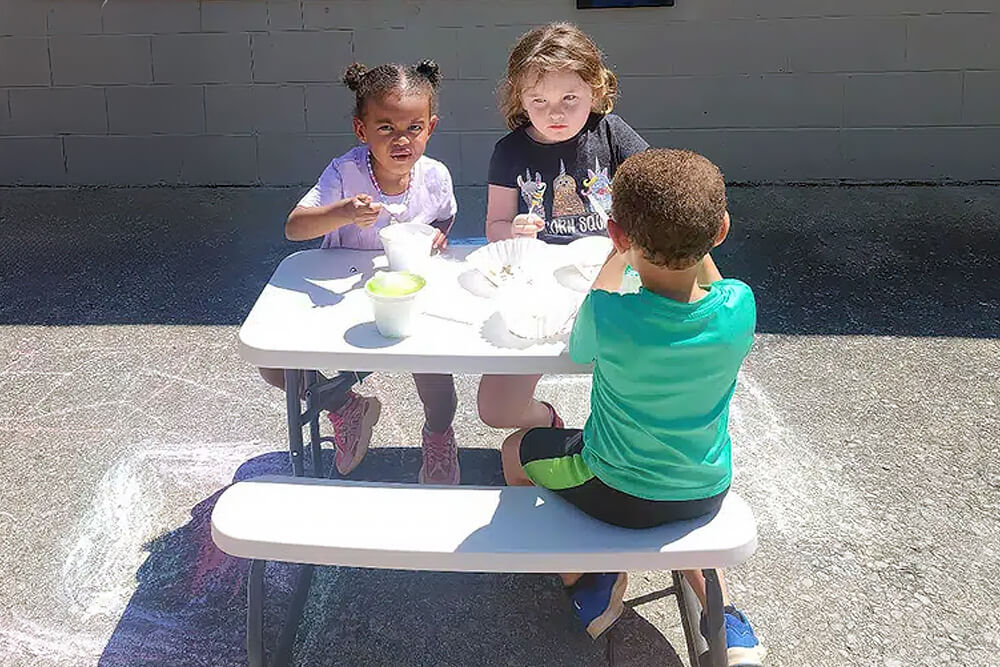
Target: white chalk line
(791, 484)
(107, 547)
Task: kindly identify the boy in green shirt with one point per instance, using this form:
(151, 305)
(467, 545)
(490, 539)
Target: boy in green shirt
(656, 446)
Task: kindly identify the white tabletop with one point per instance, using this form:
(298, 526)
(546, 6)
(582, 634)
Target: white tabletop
(315, 314)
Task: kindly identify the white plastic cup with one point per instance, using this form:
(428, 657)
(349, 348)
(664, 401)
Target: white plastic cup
(407, 245)
(395, 315)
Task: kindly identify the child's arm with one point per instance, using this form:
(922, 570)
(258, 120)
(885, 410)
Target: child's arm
(502, 219)
(609, 278)
(310, 222)
(708, 273)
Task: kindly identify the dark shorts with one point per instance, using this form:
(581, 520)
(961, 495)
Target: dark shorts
(552, 458)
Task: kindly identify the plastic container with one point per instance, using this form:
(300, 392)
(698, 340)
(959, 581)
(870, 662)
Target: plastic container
(395, 299)
(407, 245)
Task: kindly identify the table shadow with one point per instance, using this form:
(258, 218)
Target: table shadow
(365, 336)
(311, 282)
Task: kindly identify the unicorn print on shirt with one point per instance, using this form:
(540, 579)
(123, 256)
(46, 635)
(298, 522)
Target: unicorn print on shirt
(565, 201)
(597, 190)
(533, 193)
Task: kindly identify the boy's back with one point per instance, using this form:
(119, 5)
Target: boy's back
(656, 447)
(664, 373)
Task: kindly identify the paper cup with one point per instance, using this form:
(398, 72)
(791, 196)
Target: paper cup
(395, 313)
(407, 245)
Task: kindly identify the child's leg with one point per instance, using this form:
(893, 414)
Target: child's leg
(440, 453)
(437, 393)
(508, 401)
(274, 377)
(696, 580)
(598, 597)
(514, 475)
(742, 646)
(353, 420)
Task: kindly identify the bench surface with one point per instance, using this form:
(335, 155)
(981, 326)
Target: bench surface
(460, 529)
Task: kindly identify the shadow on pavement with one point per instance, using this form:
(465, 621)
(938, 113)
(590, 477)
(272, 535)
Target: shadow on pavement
(909, 261)
(189, 605)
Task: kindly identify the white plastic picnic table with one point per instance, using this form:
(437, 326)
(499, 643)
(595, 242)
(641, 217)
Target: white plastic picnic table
(314, 314)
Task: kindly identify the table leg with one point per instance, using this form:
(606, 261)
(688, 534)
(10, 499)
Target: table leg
(313, 410)
(255, 614)
(293, 408)
(286, 641)
(716, 623)
(690, 612)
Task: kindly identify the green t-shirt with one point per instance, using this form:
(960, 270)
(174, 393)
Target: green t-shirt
(664, 373)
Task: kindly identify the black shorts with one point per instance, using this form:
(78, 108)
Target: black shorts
(551, 458)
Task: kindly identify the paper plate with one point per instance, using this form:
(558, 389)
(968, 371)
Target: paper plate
(537, 311)
(522, 260)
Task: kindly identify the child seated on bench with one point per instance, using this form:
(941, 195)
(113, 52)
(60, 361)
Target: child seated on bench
(656, 446)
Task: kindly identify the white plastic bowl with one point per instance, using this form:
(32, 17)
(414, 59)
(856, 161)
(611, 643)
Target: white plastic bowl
(407, 245)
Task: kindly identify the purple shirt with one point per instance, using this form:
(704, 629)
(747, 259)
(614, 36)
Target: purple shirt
(432, 197)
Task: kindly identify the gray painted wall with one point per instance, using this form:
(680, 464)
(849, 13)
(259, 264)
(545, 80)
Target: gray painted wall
(243, 92)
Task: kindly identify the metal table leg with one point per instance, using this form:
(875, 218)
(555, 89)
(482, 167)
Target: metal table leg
(293, 408)
(318, 390)
(283, 655)
(716, 626)
(312, 415)
(255, 615)
(690, 613)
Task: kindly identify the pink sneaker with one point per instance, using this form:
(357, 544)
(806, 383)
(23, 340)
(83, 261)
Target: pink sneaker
(440, 458)
(352, 430)
(557, 421)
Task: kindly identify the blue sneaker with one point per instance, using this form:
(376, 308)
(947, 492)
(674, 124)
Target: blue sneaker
(742, 647)
(597, 600)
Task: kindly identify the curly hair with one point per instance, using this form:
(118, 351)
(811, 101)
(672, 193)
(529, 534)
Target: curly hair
(551, 48)
(671, 204)
(421, 78)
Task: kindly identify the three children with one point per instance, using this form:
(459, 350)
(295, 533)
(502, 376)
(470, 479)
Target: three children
(656, 446)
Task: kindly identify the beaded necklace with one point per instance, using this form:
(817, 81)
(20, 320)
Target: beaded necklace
(394, 209)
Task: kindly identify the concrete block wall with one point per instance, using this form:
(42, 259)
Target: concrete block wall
(244, 91)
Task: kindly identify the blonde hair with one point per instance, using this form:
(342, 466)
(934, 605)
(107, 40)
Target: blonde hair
(551, 48)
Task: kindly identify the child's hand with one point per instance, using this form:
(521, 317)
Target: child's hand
(364, 211)
(526, 224)
(440, 241)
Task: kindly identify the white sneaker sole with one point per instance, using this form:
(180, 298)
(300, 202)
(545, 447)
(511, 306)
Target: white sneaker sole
(616, 607)
(737, 656)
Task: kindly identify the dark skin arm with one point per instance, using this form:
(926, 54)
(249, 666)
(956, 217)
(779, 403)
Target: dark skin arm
(311, 222)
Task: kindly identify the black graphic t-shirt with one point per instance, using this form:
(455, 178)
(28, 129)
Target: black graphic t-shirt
(567, 184)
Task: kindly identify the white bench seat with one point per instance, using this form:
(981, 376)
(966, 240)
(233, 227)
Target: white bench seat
(460, 529)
